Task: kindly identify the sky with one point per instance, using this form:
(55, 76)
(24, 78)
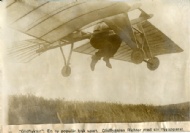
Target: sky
(124, 83)
(1, 23)
(1, 60)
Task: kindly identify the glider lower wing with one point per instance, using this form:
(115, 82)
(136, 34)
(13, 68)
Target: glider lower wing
(123, 53)
(158, 43)
(25, 51)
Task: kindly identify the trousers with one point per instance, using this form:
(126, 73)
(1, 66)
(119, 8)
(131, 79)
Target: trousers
(107, 45)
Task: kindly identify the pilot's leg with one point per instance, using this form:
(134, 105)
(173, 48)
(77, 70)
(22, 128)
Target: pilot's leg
(95, 59)
(106, 50)
(110, 48)
(107, 60)
(97, 43)
(115, 42)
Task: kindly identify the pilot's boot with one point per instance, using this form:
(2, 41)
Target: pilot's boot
(93, 62)
(108, 64)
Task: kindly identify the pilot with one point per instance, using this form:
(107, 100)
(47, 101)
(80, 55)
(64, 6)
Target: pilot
(107, 43)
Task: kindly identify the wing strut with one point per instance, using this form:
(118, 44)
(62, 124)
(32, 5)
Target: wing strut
(65, 61)
(70, 53)
(66, 70)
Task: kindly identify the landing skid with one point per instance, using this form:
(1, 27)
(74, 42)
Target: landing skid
(142, 52)
(66, 70)
(153, 63)
(137, 56)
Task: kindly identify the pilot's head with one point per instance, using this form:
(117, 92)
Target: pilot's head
(100, 27)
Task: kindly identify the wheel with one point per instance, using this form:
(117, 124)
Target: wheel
(66, 71)
(137, 56)
(153, 63)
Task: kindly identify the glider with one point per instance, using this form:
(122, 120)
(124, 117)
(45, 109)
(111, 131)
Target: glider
(57, 24)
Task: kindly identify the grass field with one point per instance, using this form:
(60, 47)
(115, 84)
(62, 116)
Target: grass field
(29, 109)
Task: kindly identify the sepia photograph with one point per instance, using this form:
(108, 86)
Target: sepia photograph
(92, 61)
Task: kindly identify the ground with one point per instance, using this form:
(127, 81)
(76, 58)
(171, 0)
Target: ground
(29, 109)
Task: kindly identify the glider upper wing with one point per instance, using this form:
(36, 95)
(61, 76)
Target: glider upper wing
(51, 21)
(54, 21)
